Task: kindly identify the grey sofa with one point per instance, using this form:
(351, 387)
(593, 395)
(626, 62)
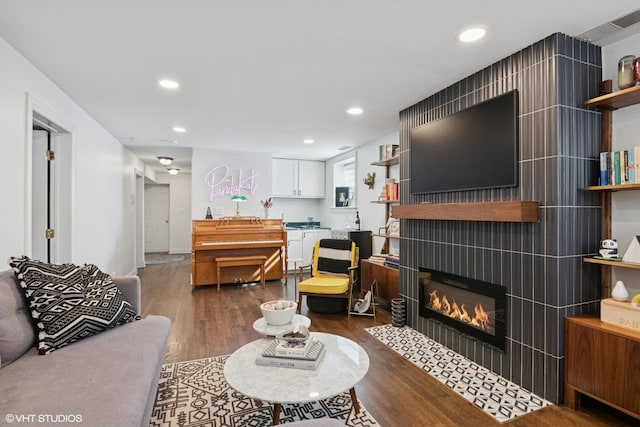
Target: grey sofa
(109, 379)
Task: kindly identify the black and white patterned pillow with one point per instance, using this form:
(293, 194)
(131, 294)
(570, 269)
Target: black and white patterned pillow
(70, 302)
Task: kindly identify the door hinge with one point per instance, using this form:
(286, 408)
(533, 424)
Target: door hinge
(50, 155)
(49, 233)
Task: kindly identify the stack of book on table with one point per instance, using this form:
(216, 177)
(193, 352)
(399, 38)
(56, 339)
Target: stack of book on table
(378, 258)
(305, 354)
(392, 261)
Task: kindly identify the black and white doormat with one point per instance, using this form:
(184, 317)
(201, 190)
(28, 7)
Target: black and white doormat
(500, 398)
(195, 393)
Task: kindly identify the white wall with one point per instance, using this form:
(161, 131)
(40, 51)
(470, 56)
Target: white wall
(371, 214)
(179, 211)
(238, 165)
(103, 172)
(626, 123)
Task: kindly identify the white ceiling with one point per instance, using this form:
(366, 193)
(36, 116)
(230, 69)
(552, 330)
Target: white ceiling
(262, 75)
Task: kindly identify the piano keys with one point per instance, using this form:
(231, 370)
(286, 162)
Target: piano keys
(235, 237)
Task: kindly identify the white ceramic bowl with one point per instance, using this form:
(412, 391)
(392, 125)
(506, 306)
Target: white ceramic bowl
(278, 312)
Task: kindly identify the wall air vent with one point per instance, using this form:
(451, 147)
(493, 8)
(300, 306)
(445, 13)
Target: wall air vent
(613, 31)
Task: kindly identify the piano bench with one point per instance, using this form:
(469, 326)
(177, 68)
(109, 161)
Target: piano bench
(237, 261)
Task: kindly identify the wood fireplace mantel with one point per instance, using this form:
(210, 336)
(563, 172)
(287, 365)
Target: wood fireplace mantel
(509, 211)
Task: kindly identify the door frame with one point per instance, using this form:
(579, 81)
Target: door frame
(64, 132)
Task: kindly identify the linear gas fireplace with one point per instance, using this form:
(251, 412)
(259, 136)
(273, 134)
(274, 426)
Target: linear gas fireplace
(471, 306)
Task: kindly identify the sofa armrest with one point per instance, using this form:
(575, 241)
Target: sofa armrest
(130, 288)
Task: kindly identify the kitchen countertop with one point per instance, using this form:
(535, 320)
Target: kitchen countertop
(304, 226)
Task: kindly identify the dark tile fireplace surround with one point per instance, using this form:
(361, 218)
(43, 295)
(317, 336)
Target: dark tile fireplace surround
(539, 264)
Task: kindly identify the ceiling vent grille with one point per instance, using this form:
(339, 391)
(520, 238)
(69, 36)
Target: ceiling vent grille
(627, 20)
(610, 29)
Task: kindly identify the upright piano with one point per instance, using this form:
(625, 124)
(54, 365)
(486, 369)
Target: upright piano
(236, 237)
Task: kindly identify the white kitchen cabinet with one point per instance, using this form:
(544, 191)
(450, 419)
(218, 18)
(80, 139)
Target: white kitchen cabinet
(297, 178)
(294, 248)
(309, 239)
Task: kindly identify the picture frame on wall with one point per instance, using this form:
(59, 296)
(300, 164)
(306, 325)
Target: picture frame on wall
(342, 197)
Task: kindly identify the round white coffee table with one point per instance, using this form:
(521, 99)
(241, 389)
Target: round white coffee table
(262, 327)
(345, 364)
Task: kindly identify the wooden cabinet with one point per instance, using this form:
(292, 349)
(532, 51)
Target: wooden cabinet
(602, 361)
(388, 279)
(298, 178)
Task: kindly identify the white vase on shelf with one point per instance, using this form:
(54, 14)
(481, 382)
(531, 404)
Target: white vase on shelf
(619, 292)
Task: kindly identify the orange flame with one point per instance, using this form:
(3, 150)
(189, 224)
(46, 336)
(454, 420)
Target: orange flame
(480, 320)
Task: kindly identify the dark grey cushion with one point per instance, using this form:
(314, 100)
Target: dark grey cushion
(16, 331)
(70, 302)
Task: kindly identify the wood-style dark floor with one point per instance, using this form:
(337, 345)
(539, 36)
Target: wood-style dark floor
(397, 393)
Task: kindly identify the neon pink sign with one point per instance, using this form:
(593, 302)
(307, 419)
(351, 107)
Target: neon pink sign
(222, 184)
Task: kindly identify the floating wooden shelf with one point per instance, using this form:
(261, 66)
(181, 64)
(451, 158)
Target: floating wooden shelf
(511, 211)
(618, 99)
(618, 187)
(392, 161)
(387, 236)
(384, 202)
(624, 264)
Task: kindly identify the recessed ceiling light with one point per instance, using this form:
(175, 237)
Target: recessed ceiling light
(165, 160)
(308, 141)
(355, 111)
(472, 35)
(179, 129)
(173, 171)
(168, 84)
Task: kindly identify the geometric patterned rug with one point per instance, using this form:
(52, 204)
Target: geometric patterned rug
(500, 398)
(195, 393)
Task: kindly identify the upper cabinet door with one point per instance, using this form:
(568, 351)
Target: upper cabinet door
(284, 178)
(311, 178)
(297, 178)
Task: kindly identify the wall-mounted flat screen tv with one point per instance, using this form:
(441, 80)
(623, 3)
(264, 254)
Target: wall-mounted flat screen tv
(475, 148)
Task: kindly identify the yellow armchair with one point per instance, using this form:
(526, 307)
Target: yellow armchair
(333, 271)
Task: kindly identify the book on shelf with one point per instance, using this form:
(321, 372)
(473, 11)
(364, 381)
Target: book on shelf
(388, 151)
(293, 348)
(391, 189)
(312, 353)
(284, 362)
(604, 179)
(619, 167)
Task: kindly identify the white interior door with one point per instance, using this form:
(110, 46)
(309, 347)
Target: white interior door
(39, 204)
(156, 218)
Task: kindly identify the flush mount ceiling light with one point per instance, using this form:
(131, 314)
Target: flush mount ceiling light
(179, 129)
(173, 171)
(165, 160)
(355, 111)
(308, 141)
(472, 35)
(168, 84)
